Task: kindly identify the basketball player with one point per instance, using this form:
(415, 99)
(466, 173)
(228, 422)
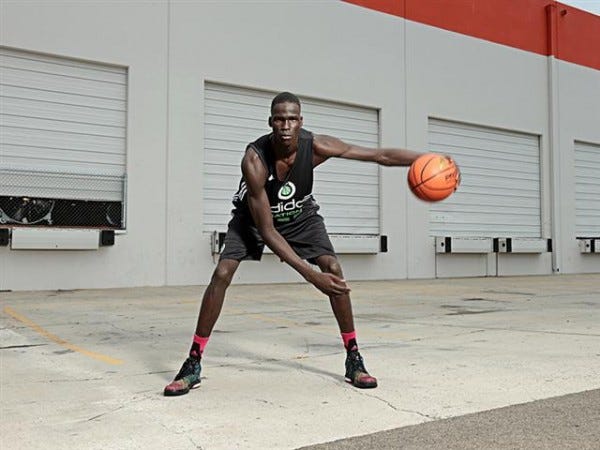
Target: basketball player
(274, 206)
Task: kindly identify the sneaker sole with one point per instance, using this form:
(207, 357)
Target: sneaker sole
(361, 386)
(168, 393)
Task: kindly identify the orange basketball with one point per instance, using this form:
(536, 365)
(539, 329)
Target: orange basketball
(433, 177)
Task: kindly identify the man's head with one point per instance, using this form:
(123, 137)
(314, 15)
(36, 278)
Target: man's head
(286, 120)
(285, 97)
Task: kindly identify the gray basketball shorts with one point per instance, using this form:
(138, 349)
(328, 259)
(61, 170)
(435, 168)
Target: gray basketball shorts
(308, 238)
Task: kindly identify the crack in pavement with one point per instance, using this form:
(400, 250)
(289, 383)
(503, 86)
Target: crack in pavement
(391, 405)
(380, 399)
(196, 445)
(135, 399)
(267, 402)
(8, 347)
(181, 433)
(427, 416)
(106, 413)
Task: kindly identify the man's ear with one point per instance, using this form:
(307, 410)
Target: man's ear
(270, 122)
(301, 121)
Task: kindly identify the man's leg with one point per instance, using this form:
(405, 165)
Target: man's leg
(214, 296)
(212, 302)
(356, 373)
(341, 304)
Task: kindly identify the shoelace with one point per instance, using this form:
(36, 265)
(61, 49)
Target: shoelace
(356, 362)
(186, 369)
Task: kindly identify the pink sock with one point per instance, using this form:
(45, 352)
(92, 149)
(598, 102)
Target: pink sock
(198, 346)
(350, 340)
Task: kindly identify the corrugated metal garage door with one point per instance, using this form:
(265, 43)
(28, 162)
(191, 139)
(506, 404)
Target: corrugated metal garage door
(587, 189)
(62, 129)
(500, 190)
(348, 191)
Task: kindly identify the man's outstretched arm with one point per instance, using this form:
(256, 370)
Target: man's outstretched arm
(325, 147)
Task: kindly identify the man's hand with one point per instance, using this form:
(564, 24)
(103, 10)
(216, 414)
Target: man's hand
(328, 283)
(458, 174)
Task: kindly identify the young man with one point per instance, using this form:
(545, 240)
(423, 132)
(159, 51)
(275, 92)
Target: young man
(274, 206)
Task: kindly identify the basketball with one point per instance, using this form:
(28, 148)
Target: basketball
(433, 177)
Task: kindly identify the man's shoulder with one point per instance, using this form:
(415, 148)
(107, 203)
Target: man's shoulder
(261, 141)
(305, 134)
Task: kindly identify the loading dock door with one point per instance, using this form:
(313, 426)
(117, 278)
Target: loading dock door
(499, 197)
(587, 190)
(62, 128)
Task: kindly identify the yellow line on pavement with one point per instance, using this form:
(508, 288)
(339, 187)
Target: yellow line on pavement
(34, 326)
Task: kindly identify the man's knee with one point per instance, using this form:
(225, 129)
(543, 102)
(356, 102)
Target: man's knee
(330, 264)
(223, 274)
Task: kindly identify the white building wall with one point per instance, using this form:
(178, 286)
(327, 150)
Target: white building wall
(329, 50)
(579, 120)
(129, 34)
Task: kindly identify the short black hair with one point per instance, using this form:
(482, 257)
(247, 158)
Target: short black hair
(285, 97)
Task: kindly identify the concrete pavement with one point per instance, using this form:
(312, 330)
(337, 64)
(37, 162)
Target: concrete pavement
(568, 422)
(86, 368)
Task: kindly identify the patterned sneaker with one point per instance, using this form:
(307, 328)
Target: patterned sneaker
(356, 374)
(186, 379)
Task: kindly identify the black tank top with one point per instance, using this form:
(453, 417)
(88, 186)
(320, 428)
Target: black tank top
(291, 199)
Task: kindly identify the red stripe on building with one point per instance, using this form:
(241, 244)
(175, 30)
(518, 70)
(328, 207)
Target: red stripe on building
(396, 8)
(517, 23)
(578, 36)
(540, 26)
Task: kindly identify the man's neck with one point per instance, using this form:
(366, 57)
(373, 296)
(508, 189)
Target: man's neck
(283, 152)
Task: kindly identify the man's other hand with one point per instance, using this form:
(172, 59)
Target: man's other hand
(328, 283)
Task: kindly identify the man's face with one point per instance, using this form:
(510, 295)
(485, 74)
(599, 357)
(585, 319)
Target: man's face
(286, 122)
